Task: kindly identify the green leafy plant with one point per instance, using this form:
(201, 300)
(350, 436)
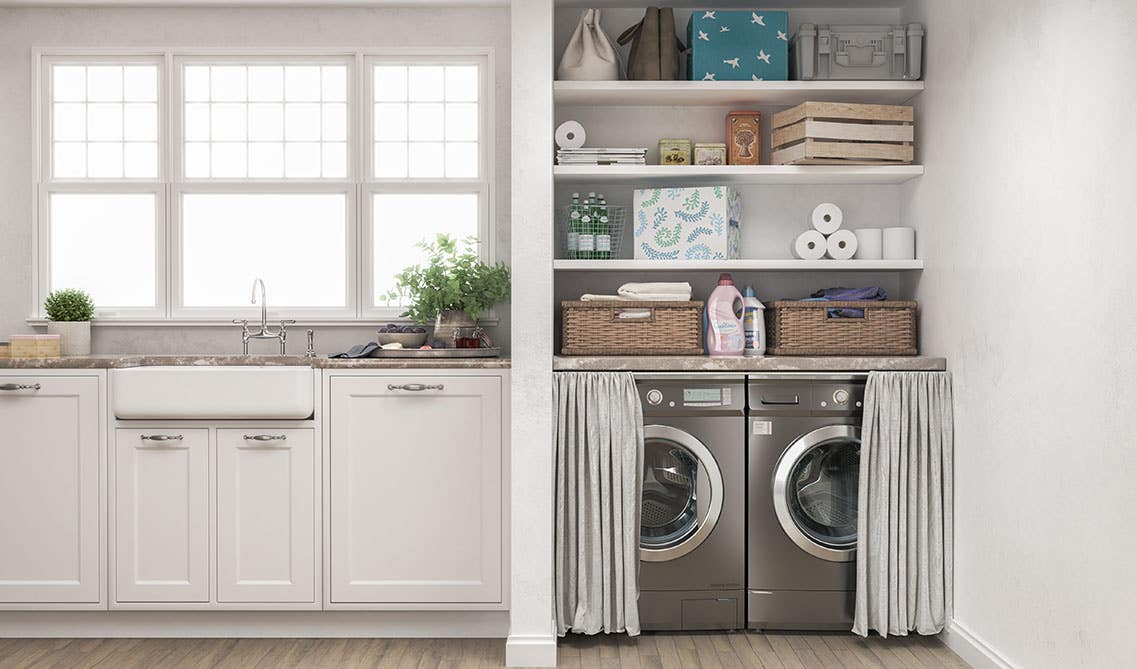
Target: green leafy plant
(69, 304)
(452, 278)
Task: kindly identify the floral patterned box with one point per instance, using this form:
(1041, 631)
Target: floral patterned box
(697, 223)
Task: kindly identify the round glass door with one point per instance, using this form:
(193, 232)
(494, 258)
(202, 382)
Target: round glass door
(682, 494)
(815, 491)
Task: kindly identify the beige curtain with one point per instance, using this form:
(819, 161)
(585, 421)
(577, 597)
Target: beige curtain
(904, 526)
(599, 469)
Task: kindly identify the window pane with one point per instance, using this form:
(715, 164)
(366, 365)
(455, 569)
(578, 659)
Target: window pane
(227, 83)
(334, 160)
(391, 83)
(197, 159)
(401, 220)
(266, 84)
(69, 122)
(266, 160)
(335, 83)
(104, 122)
(140, 121)
(140, 83)
(425, 160)
(461, 160)
(301, 122)
(462, 122)
(104, 83)
(104, 160)
(69, 83)
(197, 122)
(296, 242)
(266, 122)
(302, 84)
(104, 244)
(228, 160)
(140, 160)
(70, 160)
(391, 160)
(390, 121)
(196, 83)
(426, 122)
(227, 122)
(425, 83)
(462, 83)
(302, 160)
(335, 122)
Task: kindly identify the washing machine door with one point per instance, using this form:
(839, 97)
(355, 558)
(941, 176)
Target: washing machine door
(815, 491)
(682, 494)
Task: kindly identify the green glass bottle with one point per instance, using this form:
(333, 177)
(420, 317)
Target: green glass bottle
(573, 240)
(603, 232)
(587, 239)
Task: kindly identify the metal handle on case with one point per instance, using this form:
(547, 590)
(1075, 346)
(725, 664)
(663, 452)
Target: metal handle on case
(161, 437)
(414, 387)
(265, 437)
(19, 386)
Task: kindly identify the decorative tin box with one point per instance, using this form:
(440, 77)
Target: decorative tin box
(742, 138)
(674, 152)
(699, 223)
(710, 154)
(738, 45)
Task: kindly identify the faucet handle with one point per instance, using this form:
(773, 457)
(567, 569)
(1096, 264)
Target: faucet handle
(243, 322)
(287, 321)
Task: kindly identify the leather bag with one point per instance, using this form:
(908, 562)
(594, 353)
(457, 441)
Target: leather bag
(590, 54)
(655, 46)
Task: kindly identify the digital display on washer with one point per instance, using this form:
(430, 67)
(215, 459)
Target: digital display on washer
(702, 395)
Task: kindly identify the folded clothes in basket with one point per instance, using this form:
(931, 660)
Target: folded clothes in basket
(656, 292)
(871, 294)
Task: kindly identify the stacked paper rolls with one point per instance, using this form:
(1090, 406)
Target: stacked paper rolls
(827, 218)
(810, 245)
(841, 245)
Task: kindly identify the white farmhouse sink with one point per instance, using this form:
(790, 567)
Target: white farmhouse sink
(218, 393)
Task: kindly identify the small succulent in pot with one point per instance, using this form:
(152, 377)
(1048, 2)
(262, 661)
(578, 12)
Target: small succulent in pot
(69, 312)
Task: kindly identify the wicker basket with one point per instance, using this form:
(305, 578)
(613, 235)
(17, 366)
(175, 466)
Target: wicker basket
(805, 328)
(632, 328)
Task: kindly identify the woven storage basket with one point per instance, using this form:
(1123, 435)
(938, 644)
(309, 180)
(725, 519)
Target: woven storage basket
(804, 328)
(596, 328)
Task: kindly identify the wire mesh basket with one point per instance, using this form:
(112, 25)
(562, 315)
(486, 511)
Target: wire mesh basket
(590, 242)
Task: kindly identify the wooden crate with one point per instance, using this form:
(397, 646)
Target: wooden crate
(834, 133)
(34, 346)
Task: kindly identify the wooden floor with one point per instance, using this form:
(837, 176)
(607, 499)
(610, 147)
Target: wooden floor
(649, 651)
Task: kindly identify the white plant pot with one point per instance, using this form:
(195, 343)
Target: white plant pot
(75, 336)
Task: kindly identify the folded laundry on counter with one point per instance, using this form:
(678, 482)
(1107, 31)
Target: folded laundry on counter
(655, 292)
(870, 294)
(358, 351)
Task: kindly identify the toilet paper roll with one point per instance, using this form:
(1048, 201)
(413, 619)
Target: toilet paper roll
(841, 245)
(869, 243)
(570, 135)
(899, 243)
(827, 218)
(809, 245)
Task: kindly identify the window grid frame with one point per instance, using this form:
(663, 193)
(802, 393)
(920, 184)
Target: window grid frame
(170, 185)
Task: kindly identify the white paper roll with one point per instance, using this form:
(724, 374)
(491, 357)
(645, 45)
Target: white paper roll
(841, 245)
(570, 135)
(899, 243)
(809, 245)
(827, 218)
(869, 243)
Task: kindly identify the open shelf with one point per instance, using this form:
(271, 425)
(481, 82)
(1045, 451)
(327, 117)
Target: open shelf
(663, 175)
(731, 93)
(786, 264)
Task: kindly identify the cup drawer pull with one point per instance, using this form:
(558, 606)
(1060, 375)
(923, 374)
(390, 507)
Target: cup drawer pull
(414, 387)
(161, 437)
(265, 437)
(19, 386)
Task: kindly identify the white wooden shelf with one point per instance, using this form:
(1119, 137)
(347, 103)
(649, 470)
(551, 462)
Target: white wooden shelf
(652, 175)
(730, 93)
(780, 264)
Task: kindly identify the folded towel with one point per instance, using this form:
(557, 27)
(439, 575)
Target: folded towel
(666, 292)
(589, 297)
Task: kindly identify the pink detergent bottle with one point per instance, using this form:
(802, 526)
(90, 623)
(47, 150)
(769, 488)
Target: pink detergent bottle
(722, 321)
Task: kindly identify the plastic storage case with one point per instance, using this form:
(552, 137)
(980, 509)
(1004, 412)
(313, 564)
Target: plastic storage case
(857, 52)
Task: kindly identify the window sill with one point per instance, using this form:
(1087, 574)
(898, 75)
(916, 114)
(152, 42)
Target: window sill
(228, 322)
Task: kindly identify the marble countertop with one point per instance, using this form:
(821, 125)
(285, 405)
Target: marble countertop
(747, 364)
(113, 361)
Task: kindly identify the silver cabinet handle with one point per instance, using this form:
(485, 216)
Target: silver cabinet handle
(265, 437)
(161, 437)
(19, 386)
(413, 387)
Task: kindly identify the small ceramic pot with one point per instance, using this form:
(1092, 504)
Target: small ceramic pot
(449, 322)
(74, 336)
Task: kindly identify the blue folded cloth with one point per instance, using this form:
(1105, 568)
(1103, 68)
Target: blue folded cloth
(872, 294)
(358, 351)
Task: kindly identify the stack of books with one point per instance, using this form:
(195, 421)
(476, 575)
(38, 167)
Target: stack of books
(601, 156)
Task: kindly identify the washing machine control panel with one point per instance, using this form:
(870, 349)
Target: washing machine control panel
(692, 395)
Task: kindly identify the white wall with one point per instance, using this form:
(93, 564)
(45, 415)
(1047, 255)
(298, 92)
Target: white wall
(23, 29)
(1026, 222)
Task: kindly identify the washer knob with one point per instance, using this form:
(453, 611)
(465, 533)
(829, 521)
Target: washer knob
(841, 396)
(654, 397)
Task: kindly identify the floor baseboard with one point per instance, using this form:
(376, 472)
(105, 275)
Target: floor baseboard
(531, 650)
(973, 649)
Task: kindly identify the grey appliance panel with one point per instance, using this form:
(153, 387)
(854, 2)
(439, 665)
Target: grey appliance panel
(774, 561)
(800, 610)
(692, 610)
(719, 562)
(692, 396)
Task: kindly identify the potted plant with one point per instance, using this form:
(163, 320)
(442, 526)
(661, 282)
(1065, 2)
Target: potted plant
(453, 288)
(69, 313)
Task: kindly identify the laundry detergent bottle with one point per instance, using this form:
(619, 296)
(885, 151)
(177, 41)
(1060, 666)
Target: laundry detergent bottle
(722, 320)
(754, 323)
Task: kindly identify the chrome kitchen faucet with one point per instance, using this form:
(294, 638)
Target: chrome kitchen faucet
(265, 332)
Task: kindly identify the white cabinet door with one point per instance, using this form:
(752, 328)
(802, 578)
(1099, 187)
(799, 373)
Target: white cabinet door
(266, 515)
(416, 496)
(49, 489)
(162, 515)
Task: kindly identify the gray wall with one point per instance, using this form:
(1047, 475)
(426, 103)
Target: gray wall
(23, 29)
(1025, 219)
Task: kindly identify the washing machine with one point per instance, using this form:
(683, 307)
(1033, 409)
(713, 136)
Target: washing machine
(804, 460)
(693, 529)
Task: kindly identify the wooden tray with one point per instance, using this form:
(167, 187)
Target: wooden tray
(436, 353)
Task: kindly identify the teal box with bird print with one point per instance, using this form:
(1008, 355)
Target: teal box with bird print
(698, 223)
(738, 45)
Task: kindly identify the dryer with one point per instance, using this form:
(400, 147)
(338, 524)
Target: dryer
(804, 460)
(692, 535)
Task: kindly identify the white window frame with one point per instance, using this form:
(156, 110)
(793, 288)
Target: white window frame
(359, 186)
